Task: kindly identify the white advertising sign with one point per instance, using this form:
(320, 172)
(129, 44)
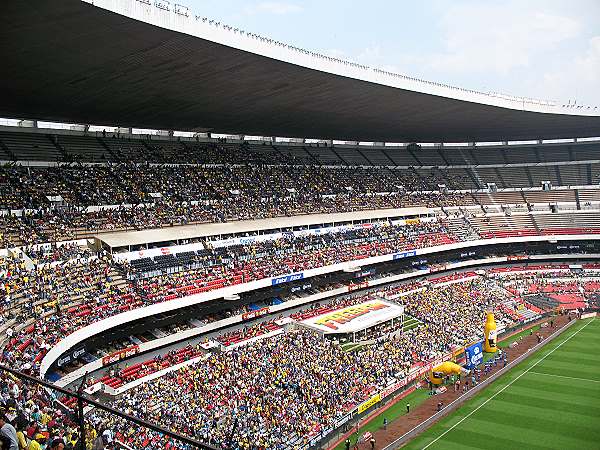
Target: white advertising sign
(355, 318)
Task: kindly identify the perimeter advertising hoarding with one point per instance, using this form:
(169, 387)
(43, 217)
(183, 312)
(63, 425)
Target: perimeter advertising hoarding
(254, 314)
(120, 354)
(403, 255)
(287, 278)
(366, 405)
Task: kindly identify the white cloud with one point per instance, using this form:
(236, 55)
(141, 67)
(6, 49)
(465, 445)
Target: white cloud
(482, 37)
(273, 7)
(578, 78)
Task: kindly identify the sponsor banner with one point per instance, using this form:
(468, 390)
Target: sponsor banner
(70, 356)
(394, 387)
(474, 355)
(254, 314)
(354, 318)
(119, 355)
(151, 253)
(437, 268)
(304, 287)
(287, 278)
(402, 255)
(457, 352)
(342, 420)
(246, 240)
(516, 257)
(357, 286)
(366, 405)
(414, 221)
(588, 315)
(366, 273)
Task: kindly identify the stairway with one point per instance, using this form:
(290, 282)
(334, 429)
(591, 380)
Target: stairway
(462, 228)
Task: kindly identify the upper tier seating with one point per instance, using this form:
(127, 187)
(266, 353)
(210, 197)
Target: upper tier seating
(30, 147)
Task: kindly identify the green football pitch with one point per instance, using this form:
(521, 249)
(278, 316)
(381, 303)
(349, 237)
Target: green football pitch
(549, 401)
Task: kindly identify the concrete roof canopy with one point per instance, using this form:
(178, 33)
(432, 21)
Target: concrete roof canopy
(131, 63)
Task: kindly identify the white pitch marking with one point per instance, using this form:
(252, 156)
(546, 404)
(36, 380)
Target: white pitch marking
(564, 376)
(505, 387)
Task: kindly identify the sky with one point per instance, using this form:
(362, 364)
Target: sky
(546, 49)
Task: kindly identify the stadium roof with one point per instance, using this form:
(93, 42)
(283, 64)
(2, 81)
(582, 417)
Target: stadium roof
(153, 64)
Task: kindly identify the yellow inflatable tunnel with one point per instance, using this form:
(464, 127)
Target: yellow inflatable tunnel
(437, 374)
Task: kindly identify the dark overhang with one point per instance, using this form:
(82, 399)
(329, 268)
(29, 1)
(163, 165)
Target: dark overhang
(73, 62)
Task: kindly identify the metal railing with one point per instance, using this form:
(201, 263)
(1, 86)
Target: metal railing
(83, 420)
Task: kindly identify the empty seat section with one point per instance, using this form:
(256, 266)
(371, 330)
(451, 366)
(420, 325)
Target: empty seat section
(429, 157)
(458, 156)
(400, 156)
(549, 196)
(352, 156)
(500, 198)
(298, 154)
(595, 169)
(589, 195)
(501, 226)
(377, 156)
(575, 223)
(554, 154)
(127, 149)
(515, 177)
(266, 152)
(586, 152)
(31, 146)
(492, 155)
(574, 175)
(84, 148)
(324, 155)
(520, 155)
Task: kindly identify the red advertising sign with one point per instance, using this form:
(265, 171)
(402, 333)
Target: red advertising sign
(254, 314)
(516, 257)
(357, 286)
(119, 355)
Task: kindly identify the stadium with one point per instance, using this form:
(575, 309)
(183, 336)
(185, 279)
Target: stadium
(214, 239)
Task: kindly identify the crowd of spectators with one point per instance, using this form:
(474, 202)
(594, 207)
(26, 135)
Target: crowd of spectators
(285, 388)
(53, 298)
(59, 203)
(287, 254)
(30, 419)
(51, 253)
(281, 389)
(44, 303)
